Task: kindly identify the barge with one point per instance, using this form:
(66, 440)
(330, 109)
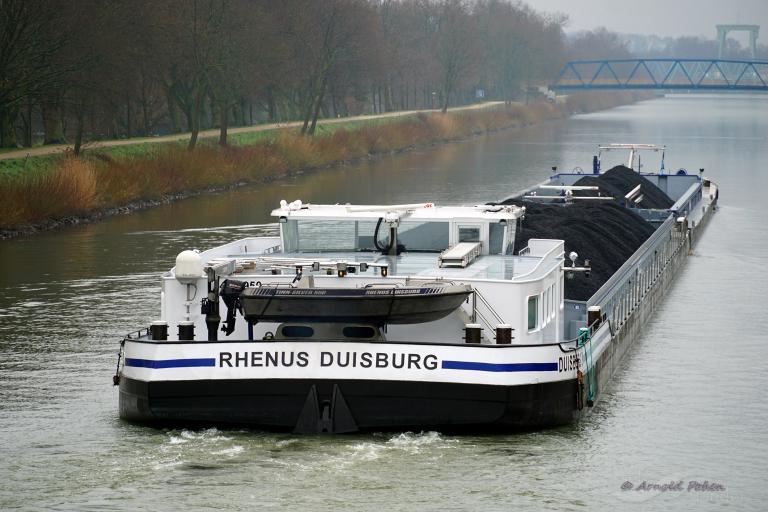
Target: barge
(394, 317)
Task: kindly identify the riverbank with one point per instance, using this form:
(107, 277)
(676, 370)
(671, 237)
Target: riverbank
(69, 190)
(240, 135)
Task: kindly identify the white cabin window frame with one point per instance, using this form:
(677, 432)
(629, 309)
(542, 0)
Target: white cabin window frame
(552, 306)
(535, 309)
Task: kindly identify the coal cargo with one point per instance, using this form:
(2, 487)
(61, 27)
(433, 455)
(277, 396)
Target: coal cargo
(619, 181)
(604, 233)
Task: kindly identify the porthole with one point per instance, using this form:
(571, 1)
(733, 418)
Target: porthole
(297, 331)
(359, 331)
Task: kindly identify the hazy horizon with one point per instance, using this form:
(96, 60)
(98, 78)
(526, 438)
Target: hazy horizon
(661, 17)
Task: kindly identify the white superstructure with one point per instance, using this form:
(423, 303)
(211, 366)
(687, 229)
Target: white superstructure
(523, 291)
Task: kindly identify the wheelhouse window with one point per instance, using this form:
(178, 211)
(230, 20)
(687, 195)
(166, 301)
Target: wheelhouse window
(533, 312)
(341, 235)
(469, 233)
(423, 236)
(496, 238)
(316, 235)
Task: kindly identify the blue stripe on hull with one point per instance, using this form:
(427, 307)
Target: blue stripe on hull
(446, 365)
(493, 367)
(169, 363)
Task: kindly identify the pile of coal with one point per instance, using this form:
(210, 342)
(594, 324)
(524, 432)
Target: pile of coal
(604, 233)
(619, 181)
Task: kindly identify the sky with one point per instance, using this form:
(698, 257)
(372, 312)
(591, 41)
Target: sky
(661, 17)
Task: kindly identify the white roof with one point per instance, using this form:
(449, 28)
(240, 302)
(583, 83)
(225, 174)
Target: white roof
(420, 211)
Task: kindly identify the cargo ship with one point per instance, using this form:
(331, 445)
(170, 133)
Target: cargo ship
(495, 317)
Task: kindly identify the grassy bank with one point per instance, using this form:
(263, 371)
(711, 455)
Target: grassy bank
(67, 186)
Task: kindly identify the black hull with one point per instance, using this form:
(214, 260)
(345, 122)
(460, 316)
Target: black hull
(307, 406)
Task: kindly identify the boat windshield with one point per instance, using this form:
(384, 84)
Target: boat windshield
(309, 235)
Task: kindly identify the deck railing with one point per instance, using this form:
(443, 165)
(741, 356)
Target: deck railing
(488, 324)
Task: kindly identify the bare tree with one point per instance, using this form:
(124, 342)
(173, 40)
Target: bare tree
(455, 47)
(187, 36)
(107, 68)
(322, 36)
(31, 35)
(598, 44)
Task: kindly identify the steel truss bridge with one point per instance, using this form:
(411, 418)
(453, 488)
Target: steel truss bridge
(664, 74)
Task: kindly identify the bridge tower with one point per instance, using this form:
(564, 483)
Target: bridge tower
(722, 34)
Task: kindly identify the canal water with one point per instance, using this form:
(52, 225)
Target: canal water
(689, 404)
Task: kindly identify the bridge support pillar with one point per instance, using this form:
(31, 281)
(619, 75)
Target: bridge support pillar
(722, 36)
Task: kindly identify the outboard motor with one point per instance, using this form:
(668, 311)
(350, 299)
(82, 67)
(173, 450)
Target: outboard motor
(210, 307)
(230, 294)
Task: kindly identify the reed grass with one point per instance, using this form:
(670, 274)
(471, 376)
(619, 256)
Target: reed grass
(100, 180)
(69, 188)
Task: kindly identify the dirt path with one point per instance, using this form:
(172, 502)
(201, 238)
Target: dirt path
(207, 134)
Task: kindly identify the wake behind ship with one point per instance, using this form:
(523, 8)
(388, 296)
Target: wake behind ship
(457, 318)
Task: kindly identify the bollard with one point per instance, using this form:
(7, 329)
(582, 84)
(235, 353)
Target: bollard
(159, 330)
(473, 333)
(503, 334)
(186, 331)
